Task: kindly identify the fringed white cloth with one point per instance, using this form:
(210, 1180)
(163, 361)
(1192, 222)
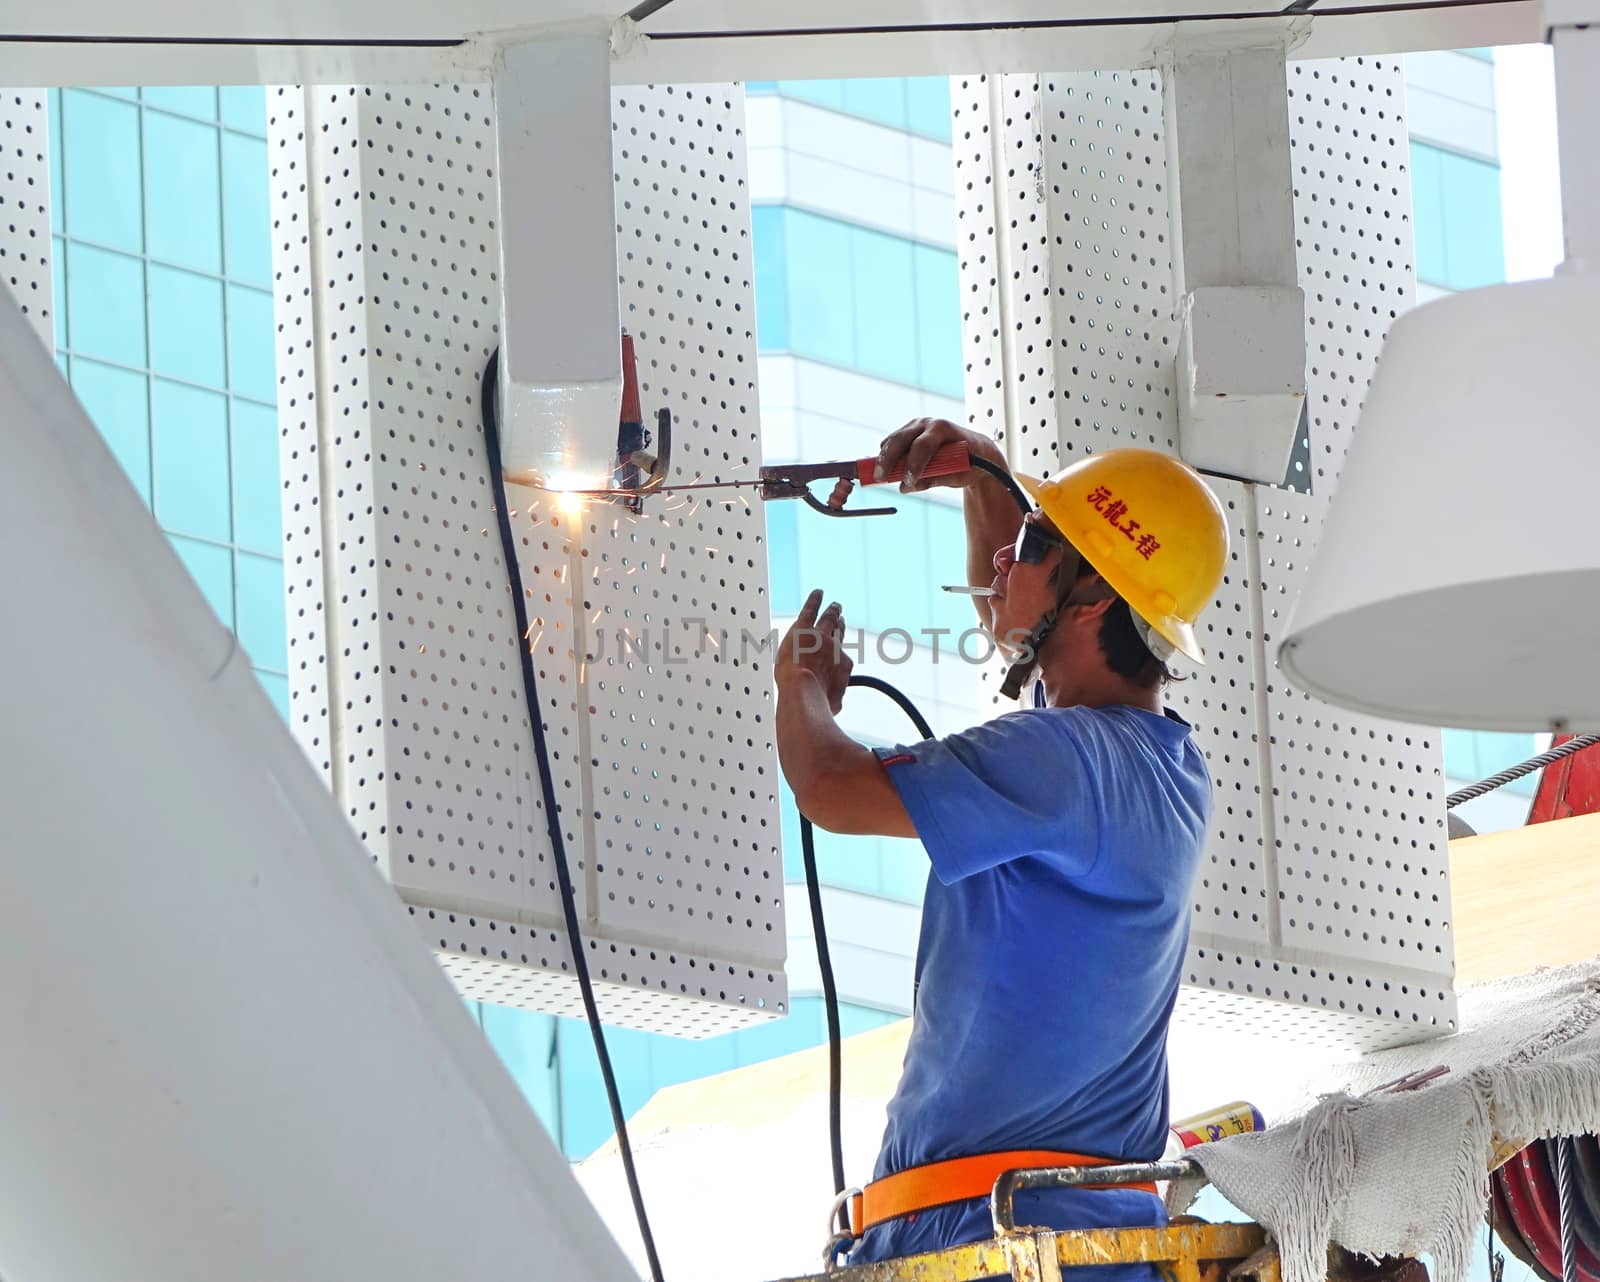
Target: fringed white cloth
(1385, 1173)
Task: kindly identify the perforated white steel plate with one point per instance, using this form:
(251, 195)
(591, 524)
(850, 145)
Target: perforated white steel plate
(25, 207)
(660, 734)
(1351, 162)
(1322, 907)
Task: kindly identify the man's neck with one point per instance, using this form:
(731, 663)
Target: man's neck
(1066, 685)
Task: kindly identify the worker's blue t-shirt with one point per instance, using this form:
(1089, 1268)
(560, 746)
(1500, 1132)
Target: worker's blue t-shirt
(1063, 843)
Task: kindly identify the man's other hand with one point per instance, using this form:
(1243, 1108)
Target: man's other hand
(813, 647)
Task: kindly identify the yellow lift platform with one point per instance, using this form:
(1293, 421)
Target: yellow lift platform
(1188, 1250)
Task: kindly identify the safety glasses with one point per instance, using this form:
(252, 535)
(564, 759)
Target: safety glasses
(1035, 543)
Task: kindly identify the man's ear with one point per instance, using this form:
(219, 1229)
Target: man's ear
(1090, 611)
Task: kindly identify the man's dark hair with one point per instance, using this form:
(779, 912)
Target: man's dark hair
(1125, 651)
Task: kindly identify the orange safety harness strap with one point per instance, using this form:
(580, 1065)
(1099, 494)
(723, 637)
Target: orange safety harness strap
(921, 1188)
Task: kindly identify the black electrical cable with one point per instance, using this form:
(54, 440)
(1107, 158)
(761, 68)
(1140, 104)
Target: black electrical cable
(569, 899)
(906, 706)
(830, 993)
(830, 1007)
(1010, 482)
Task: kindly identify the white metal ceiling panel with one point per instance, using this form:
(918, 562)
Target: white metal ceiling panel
(1321, 909)
(25, 207)
(661, 737)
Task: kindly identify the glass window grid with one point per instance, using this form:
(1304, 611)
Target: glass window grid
(847, 559)
(917, 105)
(1456, 217)
(1471, 755)
(857, 298)
(203, 552)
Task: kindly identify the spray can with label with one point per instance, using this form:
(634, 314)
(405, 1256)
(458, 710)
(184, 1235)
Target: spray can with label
(1237, 1118)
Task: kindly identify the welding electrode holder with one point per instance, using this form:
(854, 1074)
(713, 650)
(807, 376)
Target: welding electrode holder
(637, 471)
(793, 480)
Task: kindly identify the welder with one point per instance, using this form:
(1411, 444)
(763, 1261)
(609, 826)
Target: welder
(1063, 838)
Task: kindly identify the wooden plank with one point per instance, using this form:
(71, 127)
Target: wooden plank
(1525, 897)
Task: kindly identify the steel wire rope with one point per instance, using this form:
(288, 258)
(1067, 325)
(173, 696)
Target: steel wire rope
(1568, 1214)
(569, 904)
(1506, 776)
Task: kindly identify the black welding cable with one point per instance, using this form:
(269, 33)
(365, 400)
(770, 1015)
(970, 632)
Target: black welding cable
(830, 993)
(569, 899)
(1006, 479)
(830, 1007)
(808, 852)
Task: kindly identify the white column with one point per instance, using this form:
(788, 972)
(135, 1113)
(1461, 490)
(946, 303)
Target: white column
(1577, 66)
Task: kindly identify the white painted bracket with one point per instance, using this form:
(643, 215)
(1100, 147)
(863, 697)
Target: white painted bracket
(1572, 28)
(560, 359)
(1555, 14)
(1241, 351)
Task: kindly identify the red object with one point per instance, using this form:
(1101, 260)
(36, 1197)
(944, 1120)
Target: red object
(1505, 1227)
(947, 462)
(631, 412)
(1535, 1208)
(1568, 787)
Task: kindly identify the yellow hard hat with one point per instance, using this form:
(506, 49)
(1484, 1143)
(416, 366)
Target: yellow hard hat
(1150, 527)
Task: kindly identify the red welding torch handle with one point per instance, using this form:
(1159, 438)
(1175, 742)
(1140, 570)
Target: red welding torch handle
(948, 461)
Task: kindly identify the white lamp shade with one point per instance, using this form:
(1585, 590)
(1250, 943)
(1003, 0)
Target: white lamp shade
(1457, 580)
